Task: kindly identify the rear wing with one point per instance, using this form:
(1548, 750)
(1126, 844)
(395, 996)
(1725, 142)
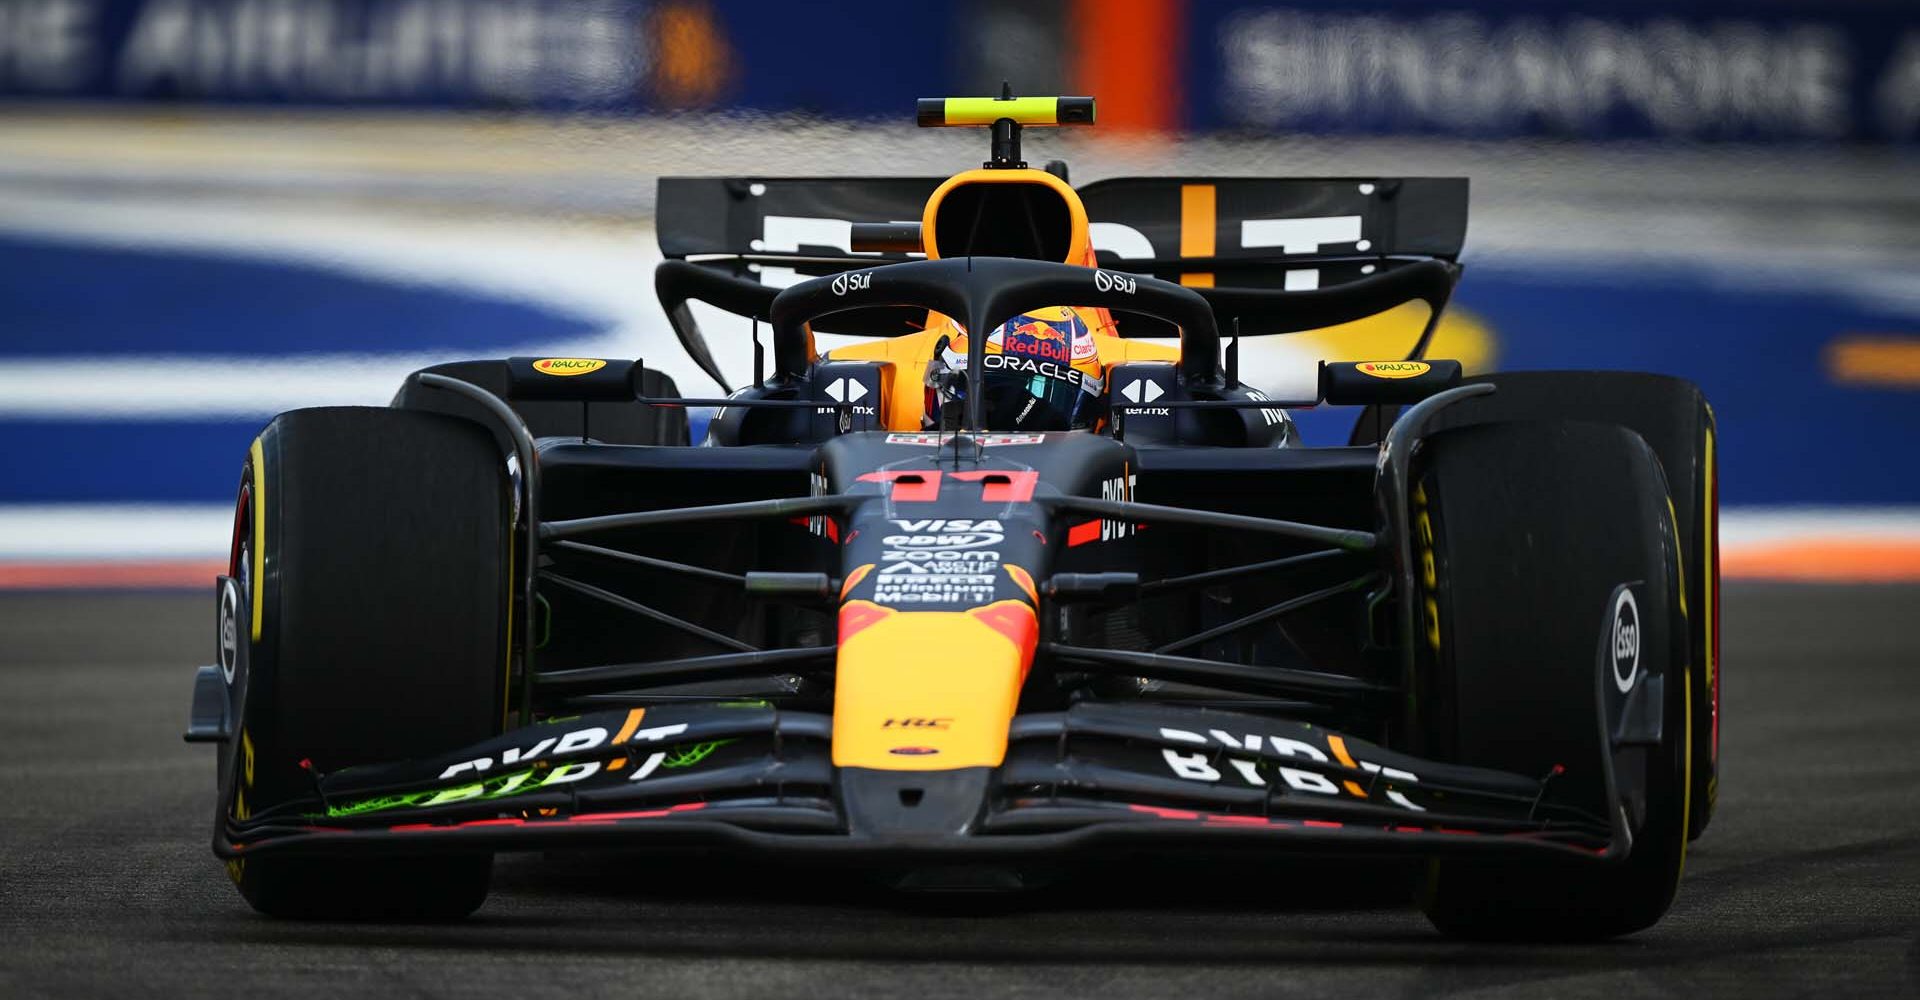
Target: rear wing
(780, 217)
(1159, 222)
(1262, 232)
(754, 235)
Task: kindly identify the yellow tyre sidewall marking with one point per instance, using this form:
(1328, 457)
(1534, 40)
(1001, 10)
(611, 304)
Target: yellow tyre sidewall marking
(258, 462)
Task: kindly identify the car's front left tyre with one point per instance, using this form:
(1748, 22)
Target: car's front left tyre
(1554, 645)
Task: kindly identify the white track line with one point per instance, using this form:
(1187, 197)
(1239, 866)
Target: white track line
(1748, 526)
(105, 532)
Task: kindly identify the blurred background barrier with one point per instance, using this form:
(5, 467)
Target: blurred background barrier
(214, 210)
(1769, 70)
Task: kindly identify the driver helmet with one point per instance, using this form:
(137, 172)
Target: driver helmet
(1042, 374)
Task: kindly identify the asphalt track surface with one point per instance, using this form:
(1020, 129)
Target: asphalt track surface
(1808, 883)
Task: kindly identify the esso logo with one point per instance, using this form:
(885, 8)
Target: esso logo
(229, 626)
(852, 281)
(1626, 641)
(1107, 281)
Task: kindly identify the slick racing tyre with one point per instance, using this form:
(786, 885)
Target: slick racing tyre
(1678, 425)
(371, 556)
(1550, 615)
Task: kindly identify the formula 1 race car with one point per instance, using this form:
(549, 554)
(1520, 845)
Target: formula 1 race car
(1008, 580)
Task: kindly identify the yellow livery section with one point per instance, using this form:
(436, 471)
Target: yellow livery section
(934, 112)
(929, 690)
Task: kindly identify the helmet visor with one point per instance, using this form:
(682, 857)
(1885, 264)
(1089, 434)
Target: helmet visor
(1027, 394)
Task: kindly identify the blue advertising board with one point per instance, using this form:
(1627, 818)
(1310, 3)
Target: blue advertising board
(1782, 70)
(614, 55)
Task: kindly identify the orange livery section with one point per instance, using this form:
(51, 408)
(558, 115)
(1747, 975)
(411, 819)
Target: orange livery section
(929, 690)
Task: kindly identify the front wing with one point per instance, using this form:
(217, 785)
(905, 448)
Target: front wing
(1100, 775)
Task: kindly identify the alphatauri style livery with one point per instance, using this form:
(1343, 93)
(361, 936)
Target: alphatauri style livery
(1020, 574)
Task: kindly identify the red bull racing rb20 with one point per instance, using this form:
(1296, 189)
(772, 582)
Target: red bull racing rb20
(1019, 575)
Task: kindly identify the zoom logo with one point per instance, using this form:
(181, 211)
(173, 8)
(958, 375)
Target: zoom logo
(853, 281)
(1107, 281)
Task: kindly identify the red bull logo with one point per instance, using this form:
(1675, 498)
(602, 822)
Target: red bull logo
(1041, 339)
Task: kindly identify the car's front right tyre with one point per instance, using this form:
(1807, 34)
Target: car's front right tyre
(371, 560)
